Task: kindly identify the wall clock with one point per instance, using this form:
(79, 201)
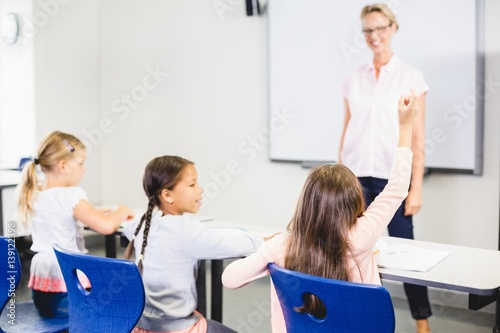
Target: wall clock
(10, 28)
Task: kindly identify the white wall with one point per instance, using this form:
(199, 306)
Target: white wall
(212, 109)
(49, 79)
(17, 89)
(208, 109)
(67, 68)
(461, 209)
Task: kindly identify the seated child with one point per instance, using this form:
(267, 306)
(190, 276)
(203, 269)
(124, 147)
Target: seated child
(331, 235)
(170, 244)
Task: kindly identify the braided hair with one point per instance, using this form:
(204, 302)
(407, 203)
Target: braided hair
(161, 173)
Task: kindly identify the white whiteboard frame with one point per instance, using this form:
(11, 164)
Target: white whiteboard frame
(314, 44)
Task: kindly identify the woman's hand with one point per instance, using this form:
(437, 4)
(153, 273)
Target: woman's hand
(413, 203)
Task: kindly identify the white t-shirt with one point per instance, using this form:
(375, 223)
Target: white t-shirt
(52, 223)
(372, 133)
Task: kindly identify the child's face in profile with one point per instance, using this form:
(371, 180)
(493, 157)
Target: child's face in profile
(186, 195)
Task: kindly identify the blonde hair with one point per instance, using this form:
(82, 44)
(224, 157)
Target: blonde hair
(381, 8)
(54, 147)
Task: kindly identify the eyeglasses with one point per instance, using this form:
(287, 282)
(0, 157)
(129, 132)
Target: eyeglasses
(378, 30)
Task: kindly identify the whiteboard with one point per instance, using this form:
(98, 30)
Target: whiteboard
(315, 44)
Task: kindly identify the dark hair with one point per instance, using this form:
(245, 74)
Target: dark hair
(161, 173)
(329, 205)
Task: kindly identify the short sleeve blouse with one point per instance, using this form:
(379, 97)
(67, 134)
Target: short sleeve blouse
(372, 133)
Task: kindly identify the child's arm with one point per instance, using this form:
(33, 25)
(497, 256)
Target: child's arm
(241, 272)
(97, 220)
(377, 216)
(407, 110)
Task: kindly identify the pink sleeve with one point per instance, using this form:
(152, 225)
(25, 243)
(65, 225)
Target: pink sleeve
(419, 83)
(241, 272)
(344, 89)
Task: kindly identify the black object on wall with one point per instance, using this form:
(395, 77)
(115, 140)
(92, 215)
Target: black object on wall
(253, 7)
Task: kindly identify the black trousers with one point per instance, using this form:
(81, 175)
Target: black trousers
(400, 226)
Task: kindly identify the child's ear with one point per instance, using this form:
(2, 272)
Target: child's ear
(61, 166)
(166, 196)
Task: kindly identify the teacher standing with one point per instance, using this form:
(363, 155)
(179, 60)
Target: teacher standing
(370, 131)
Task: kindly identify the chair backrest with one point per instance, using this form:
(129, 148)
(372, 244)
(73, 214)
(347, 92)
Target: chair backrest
(116, 297)
(350, 306)
(23, 161)
(10, 270)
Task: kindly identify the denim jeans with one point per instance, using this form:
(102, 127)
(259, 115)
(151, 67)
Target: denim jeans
(400, 226)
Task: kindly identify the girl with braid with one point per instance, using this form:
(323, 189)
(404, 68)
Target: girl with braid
(53, 210)
(169, 244)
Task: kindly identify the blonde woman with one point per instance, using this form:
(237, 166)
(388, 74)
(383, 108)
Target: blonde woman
(370, 131)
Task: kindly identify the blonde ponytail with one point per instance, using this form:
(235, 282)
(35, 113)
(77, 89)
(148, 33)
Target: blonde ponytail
(26, 192)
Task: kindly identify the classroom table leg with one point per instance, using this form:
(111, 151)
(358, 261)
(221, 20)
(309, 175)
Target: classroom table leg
(110, 245)
(201, 288)
(217, 268)
(496, 329)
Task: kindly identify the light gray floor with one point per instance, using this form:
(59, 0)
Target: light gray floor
(246, 310)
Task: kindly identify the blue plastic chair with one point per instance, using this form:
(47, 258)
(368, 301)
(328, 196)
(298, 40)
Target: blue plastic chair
(20, 316)
(350, 307)
(23, 161)
(115, 300)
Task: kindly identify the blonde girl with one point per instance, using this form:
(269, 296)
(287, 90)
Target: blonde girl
(52, 209)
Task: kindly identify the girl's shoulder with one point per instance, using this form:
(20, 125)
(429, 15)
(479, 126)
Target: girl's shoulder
(69, 194)
(277, 242)
(63, 190)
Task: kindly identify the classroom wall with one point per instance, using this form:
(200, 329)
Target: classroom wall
(17, 90)
(209, 104)
(139, 79)
(49, 79)
(67, 85)
(136, 80)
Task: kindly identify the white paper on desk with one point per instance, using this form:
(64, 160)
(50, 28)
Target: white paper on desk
(410, 258)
